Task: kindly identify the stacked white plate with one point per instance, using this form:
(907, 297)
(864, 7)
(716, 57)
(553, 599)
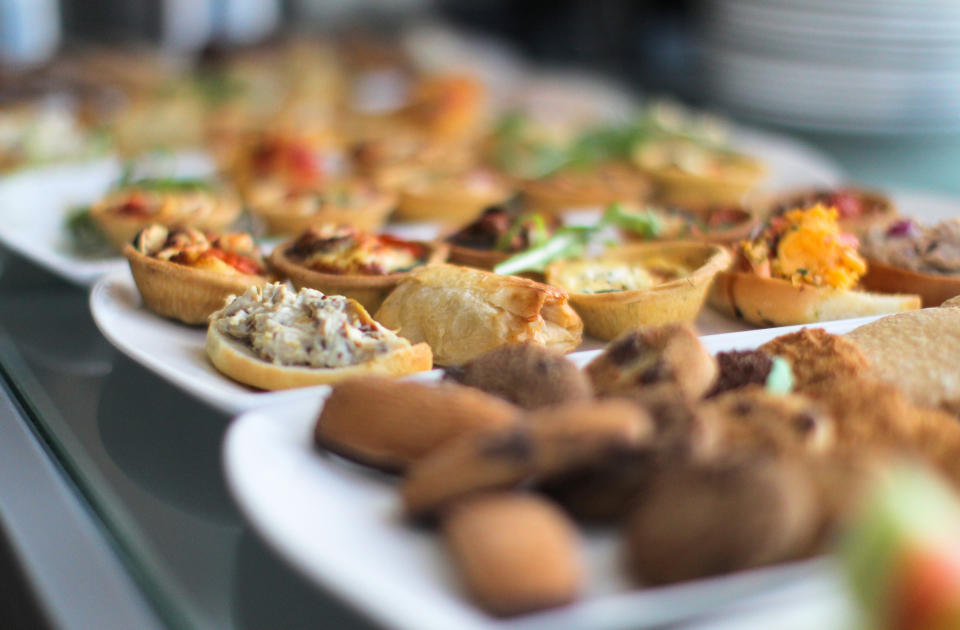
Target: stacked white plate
(874, 66)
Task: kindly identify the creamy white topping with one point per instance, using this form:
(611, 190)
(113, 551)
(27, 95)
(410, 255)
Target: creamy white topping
(306, 328)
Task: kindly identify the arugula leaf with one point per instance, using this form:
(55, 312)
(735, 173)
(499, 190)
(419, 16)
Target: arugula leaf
(85, 238)
(572, 241)
(167, 184)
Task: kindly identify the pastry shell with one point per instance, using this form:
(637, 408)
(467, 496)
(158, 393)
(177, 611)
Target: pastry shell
(463, 312)
(607, 315)
(120, 230)
(933, 288)
(572, 189)
(777, 302)
(294, 215)
(239, 363)
(448, 203)
(857, 225)
(369, 290)
(182, 292)
(727, 236)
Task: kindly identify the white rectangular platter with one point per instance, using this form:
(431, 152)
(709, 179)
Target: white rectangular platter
(340, 525)
(176, 351)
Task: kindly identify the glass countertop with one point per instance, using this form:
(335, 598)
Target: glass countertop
(146, 458)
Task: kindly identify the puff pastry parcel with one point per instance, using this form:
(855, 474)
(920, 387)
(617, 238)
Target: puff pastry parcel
(464, 312)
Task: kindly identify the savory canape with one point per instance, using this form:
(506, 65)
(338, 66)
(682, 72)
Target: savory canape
(463, 312)
(341, 260)
(272, 338)
(451, 197)
(639, 284)
(908, 257)
(184, 274)
(721, 224)
(132, 206)
(801, 269)
(577, 188)
(352, 202)
(858, 210)
(688, 173)
(497, 234)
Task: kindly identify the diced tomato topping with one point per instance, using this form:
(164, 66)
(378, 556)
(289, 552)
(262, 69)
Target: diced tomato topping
(135, 206)
(282, 156)
(238, 262)
(418, 250)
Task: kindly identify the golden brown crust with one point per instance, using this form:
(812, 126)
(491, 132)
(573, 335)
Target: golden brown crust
(479, 258)
(181, 292)
(239, 363)
(933, 288)
(606, 315)
(674, 186)
(917, 352)
(369, 290)
(284, 217)
(120, 230)
(463, 312)
(775, 302)
(448, 204)
(815, 355)
(572, 188)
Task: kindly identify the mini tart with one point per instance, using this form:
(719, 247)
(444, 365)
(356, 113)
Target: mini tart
(727, 184)
(776, 302)
(607, 315)
(578, 188)
(730, 235)
(292, 213)
(369, 290)
(479, 258)
(933, 288)
(238, 362)
(452, 199)
(879, 208)
(182, 292)
(221, 210)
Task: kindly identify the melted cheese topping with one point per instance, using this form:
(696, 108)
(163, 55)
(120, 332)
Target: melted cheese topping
(600, 276)
(306, 328)
(343, 250)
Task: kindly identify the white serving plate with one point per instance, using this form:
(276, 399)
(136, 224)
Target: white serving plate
(340, 525)
(176, 351)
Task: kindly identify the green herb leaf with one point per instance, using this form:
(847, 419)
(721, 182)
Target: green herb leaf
(85, 239)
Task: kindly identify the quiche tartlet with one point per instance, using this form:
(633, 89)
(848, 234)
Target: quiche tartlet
(497, 234)
(573, 188)
(721, 224)
(132, 206)
(186, 275)
(352, 202)
(341, 260)
(801, 269)
(643, 284)
(273, 338)
(690, 174)
(906, 256)
(451, 198)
